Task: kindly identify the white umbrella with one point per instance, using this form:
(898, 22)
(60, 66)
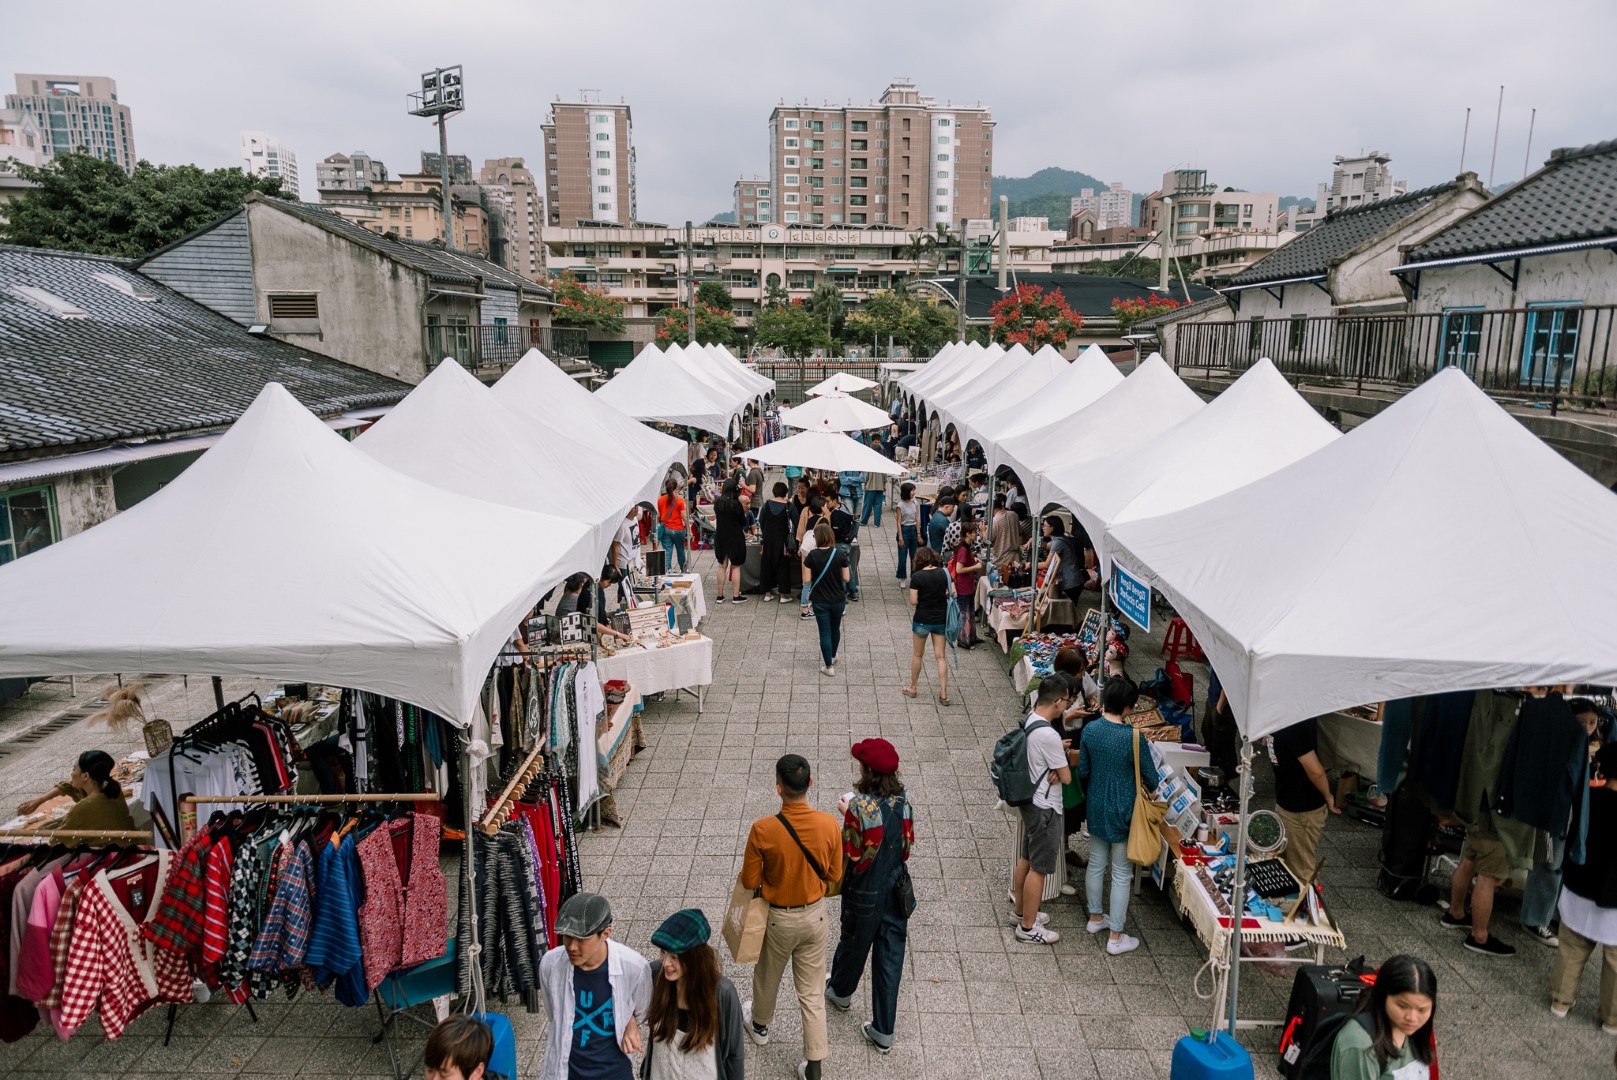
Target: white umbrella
(829, 451)
(841, 383)
(835, 412)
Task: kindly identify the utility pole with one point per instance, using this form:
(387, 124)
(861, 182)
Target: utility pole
(962, 282)
(442, 94)
(690, 276)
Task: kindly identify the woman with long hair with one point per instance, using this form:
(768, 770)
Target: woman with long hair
(825, 592)
(730, 540)
(878, 830)
(907, 520)
(1389, 1036)
(1107, 751)
(695, 1013)
(774, 534)
(929, 595)
(671, 520)
(965, 565)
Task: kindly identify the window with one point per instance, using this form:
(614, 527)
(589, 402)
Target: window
(836, 181)
(791, 125)
(294, 306)
(816, 181)
(791, 144)
(943, 208)
(856, 219)
(1551, 346)
(836, 200)
(943, 174)
(858, 144)
(392, 211)
(603, 136)
(836, 219)
(791, 198)
(27, 521)
(857, 181)
(409, 230)
(858, 125)
(943, 157)
(601, 118)
(1462, 338)
(1254, 337)
(817, 125)
(791, 216)
(856, 200)
(817, 144)
(499, 330)
(603, 189)
(603, 206)
(944, 123)
(603, 172)
(816, 163)
(943, 140)
(942, 191)
(791, 179)
(406, 213)
(607, 154)
(791, 162)
(836, 163)
(836, 125)
(1246, 210)
(858, 163)
(836, 144)
(1296, 332)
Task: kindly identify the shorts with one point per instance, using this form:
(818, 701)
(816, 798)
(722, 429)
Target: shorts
(1489, 855)
(1042, 838)
(921, 629)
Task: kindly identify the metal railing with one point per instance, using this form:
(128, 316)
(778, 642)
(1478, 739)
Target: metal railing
(480, 346)
(794, 377)
(1559, 353)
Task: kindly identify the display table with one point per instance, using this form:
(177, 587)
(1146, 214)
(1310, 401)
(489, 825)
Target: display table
(697, 596)
(1349, 743)
(685, 666)
(619, 740)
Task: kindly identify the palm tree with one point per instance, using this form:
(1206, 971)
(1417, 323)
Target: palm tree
(826, 303)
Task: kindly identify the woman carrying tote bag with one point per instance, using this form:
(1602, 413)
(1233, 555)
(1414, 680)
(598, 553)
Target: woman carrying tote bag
(1112, 782)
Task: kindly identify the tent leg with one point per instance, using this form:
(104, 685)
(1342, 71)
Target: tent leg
(1238, 887)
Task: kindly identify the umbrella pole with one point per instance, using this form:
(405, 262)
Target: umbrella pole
(1238, 887)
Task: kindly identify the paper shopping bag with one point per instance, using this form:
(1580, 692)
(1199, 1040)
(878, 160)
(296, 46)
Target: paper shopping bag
(744, 923)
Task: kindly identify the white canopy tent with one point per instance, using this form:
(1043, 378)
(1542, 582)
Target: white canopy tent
(1150, 401)
(546, 394)
(453, 433)
(947, 362)
(1005, 370)
(714, 372)
(1438, 546)
(1084, 381)
(764, 384)
(286, 553)
(926, 400)
(1257, 425)
(826, 450)
(834, 412)
(1042, 367)
(841, 383)
(655, 387)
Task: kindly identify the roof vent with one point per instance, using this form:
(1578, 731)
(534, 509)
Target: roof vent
(129, 288)
(49, 301)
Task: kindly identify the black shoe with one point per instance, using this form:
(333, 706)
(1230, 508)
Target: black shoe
(739, 600)
(1492, 947)
(1452, 923)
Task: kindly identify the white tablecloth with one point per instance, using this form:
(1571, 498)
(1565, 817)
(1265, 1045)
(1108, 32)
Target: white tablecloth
(652, 671)
(1349, 743)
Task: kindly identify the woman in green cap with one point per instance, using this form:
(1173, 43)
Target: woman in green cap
(695, 1013)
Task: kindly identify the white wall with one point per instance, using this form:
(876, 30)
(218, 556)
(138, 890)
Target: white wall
(1586, 276)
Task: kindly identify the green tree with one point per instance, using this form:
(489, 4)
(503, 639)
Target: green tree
(791, 327)
(579, 305)
(715, 295)
(921, 323)
(82, 203)
(714, 326)
(826, 304)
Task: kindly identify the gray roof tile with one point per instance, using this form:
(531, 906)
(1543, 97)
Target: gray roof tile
(135, 368)
(1574, 197)
(1310, 255)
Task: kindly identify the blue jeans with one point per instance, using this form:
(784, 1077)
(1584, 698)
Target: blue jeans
(1116, 855)
(674, 541)
(1543, 891)
(829, 619)
(873, 505)
(908, 540)
(881, 937)
(851, 501)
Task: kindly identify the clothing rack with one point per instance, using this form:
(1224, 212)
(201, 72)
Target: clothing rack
(82, 834)
(495, 816)
(371, 796)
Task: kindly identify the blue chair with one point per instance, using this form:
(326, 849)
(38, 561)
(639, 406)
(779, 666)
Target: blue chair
(404, 990)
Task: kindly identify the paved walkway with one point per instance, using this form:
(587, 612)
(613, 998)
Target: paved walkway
(974, 1003)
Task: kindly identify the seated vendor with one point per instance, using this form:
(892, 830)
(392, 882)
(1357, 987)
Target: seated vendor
(610, 576)
(98, 799)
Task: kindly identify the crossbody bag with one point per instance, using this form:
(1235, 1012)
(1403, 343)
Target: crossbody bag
(832, 888)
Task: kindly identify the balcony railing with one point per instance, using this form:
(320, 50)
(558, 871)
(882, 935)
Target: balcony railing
(480, 347)
(1559, 353)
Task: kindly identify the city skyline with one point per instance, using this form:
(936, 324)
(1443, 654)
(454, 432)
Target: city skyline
(1274, 117)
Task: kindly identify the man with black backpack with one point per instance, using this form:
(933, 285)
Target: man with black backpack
(793, 858)
(1049, 761)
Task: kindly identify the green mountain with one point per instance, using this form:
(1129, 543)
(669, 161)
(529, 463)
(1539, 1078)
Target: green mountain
(1048, 193)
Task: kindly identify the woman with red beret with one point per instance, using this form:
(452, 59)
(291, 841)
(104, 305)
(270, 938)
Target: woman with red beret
(877, 897)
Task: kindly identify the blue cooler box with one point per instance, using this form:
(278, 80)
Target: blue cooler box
(1218, 1057)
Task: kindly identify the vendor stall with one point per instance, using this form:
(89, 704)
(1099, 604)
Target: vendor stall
(685, 664)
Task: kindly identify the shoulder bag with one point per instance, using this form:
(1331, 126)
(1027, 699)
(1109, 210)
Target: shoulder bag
(832, 888)
(1145, 834)
(808, 590)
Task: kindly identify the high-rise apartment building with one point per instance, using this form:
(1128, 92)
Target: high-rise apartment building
(904, 161)
(1199, 206)
(1113, 208)
(1356, 180)
(78, 112)
(349, 172)
(262, 154)
(589, 162)
(509, 180)
(753, 204)
(460, 167)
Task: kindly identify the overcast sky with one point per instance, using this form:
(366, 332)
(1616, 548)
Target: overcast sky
(1261, 94)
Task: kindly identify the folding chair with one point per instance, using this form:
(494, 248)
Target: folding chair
(404, 990)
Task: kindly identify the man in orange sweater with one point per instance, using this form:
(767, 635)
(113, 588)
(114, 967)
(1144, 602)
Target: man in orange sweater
(791, 858)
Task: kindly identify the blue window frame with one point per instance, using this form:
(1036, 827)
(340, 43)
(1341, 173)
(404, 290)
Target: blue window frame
(1462, 339)
(499, 331)
(1550, 346)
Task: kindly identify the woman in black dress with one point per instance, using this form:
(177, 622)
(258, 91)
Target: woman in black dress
(730, 539)
(775, 529)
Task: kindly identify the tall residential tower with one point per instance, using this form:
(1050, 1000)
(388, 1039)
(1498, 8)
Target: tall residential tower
(78, 111)
(262, 154)
(589, 162)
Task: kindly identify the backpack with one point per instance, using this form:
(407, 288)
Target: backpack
(1008, 767)
(1323, 1000)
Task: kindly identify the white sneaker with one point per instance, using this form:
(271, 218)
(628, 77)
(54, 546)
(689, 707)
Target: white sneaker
(1096, 927)
(1042, 918)
(1559, 1014)
(1039, 935)
(828, 670)
(759, 1037)
(1122, 945)
(1069, 890)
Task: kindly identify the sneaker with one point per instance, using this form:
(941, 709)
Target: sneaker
(1097, 927)
(828, 670)
(840, 1002)
(1069, 890)
(1039, 935)
(1543, 935)
(1122, 945)
(853, 598)
(1609, 1029)
(875, 1039)
(769, 597)
(739, 600)
(720, 600)
(1452, 923)
(1042, 918)
(1559, 1014)
(806, 615)
(758, 1033)
(785, 599)
(1492, 947)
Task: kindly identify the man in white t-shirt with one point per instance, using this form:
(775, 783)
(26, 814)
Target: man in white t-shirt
(1049, 764)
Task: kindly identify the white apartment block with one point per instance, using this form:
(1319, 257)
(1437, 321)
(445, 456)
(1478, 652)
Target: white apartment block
(262, 154)
(1113, 208)
(1355, 181)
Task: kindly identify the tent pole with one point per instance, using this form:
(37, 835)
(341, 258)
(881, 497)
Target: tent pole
(1238, 887)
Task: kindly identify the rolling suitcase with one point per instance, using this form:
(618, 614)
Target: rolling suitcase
(1323, 998)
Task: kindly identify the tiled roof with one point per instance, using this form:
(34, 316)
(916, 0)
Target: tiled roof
(1088, 294)
(1574, 197)
(1310, 255)
(133, 368)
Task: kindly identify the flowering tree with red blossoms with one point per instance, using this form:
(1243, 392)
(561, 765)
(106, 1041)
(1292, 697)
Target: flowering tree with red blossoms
(1139, 308)
(579, 305)
(1033, 318)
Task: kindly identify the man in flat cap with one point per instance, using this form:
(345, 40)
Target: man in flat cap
(596, 993)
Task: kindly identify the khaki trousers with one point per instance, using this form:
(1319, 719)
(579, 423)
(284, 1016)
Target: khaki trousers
(1302, 841)
(798, 936)
(1567, 972)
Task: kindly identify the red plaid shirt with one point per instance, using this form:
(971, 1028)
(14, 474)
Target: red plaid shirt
(177, 924)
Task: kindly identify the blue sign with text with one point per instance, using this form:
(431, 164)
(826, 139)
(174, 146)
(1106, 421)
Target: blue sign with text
(1132, 597)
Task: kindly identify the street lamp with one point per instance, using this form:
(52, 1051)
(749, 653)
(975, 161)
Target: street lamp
(441, 96)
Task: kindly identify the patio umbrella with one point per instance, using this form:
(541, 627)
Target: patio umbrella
(835, 412)
(828, 451)
(841, 383)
